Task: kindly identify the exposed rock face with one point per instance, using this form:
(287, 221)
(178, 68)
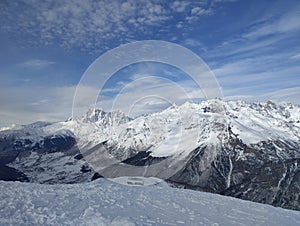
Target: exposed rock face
(258, 176)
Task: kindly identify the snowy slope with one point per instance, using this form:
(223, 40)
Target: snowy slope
(106, 203)
(264, 121)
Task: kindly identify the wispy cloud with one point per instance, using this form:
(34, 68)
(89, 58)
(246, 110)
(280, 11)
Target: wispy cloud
(273, 32)
(289, 95)
(36, 64)
(22, 105)
(286, 23)
(258, 75)
(297, 56)
(194, 43)
(260, 58)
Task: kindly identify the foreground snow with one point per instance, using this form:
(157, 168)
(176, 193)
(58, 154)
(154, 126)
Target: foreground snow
(103, 202)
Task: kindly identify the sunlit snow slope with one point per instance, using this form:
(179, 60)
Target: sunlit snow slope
(106, 203)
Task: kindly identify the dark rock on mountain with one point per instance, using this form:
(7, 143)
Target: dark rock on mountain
(11, 174)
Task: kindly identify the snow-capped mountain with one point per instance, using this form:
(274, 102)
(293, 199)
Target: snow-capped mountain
(250, 151)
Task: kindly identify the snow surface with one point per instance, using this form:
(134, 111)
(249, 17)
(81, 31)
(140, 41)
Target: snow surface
(103, 202)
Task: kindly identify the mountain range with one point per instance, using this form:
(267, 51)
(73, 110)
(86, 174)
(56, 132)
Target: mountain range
(245, 150)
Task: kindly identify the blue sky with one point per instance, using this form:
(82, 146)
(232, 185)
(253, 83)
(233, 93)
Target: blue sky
(253, 48)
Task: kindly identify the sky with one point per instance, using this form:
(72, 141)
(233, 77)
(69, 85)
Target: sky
(252, 48)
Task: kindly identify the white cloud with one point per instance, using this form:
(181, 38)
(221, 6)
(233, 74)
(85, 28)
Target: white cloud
(180, 25)
(199, 11)
(36, 64)
(89, 24)
(180, 6)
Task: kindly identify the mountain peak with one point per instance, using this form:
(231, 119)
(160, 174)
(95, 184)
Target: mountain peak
(105, 119)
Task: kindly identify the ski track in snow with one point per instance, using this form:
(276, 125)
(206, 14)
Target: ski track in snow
(103, 202)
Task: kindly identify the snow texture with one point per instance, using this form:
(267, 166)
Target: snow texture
(104, 202)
